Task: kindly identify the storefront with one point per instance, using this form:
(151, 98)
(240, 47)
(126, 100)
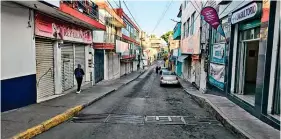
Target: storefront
(60, 47)
(253, 73)
(246, 22)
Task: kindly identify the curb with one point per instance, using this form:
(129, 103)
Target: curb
(58, 119)
(213, 110)
(46, 125)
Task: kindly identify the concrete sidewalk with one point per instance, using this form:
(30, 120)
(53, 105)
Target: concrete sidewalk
(19, 120)
(233, 117)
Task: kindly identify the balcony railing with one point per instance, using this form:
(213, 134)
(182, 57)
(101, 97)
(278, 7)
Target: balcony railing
(84, 6)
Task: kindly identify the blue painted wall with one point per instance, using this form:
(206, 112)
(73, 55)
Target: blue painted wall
(177, 31)
(18, 92)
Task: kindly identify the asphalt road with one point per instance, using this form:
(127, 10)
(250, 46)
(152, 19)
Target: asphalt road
(142, 110)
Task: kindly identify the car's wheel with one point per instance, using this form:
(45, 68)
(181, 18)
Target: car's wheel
(161, 85)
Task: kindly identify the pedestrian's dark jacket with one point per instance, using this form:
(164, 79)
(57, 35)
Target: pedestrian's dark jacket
(79, 73)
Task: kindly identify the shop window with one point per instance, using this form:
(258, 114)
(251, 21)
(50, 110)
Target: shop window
(251, 34)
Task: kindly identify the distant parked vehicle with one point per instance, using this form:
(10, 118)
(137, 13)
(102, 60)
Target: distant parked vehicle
(168, 78)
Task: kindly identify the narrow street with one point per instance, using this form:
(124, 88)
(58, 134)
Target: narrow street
(133, 110)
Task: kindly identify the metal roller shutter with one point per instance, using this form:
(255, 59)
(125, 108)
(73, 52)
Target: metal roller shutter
(44, 68)
(67, 66)
(80, 57)
(122, 68)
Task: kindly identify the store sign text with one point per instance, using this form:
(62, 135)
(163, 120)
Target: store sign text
(245, 13)
(51, 28)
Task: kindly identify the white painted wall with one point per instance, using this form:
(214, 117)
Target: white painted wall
(17, 41)
(87, 69)
(203, 77)
(105, 66)
(57, 68)
(235, 45)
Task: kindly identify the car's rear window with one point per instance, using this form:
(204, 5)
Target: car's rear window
(166, 73)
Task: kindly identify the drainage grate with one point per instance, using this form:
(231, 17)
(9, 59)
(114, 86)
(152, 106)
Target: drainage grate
(131, 119)
(90, 118)
(169, 120)
(134, 119)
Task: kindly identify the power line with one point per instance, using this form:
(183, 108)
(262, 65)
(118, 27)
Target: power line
(233, 9)
(131, 14)
(158, 22)
(194, 7)
(196, 4)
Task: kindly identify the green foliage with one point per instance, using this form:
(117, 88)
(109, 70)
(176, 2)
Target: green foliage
(166, 35)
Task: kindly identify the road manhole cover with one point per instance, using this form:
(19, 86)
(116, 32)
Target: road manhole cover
(132, 119)
(171, 120)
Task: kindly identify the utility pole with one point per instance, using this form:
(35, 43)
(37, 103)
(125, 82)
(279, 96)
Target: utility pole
(119, 3)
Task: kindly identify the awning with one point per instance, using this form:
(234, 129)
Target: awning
(181, 58)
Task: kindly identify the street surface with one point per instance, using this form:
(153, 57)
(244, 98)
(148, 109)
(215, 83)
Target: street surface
(142, 110)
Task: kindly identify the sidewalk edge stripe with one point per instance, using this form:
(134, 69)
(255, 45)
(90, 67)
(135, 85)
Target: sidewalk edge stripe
(58, 119)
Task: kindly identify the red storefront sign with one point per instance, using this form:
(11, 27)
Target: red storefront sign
(52, 28)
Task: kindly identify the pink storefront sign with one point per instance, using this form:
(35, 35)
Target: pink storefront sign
(49, 27)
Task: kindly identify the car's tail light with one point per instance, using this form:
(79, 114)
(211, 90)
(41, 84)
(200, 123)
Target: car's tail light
(177, 78)
(161, 78)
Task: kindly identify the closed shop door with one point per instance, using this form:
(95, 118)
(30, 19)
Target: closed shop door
(99, 65)
(44, 68)
(80, 57)
(122, 68)
(67, 66)
(110, 66)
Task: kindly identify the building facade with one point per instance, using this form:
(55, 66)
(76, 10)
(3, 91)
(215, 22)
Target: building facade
(51, 47)
(105, 43)
(190, 41)
(244, 65)
(129, 47)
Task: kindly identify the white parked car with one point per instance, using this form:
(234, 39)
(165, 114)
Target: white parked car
(169, 78)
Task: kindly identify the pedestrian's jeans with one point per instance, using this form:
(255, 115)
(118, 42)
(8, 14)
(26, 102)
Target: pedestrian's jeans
(79, 82)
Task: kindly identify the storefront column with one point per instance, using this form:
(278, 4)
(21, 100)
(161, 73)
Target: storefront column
(274, 59)
(268, 19)
(57, 67)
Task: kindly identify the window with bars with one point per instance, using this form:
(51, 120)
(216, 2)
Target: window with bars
(192, 24)
(188, 27)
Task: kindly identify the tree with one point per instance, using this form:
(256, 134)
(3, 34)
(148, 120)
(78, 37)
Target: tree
(166, 35)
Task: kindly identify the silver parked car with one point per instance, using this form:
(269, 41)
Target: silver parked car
(169, 78)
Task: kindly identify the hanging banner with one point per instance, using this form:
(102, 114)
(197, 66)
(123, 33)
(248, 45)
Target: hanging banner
(218, 53)
(210, 15)
(52, 28)
(216, 75)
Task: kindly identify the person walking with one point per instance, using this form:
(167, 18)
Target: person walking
(156, 69)
(79, 73)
